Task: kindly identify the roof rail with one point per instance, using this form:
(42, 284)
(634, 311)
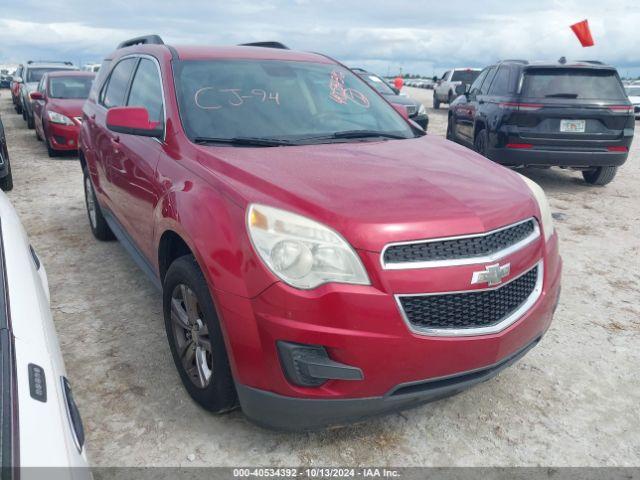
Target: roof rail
(358, 69)
(49, 61)
(515, 60)
(143, 40)
(594, 62)
(279, 45)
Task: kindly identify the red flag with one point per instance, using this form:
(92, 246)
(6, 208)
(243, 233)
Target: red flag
(581, 29)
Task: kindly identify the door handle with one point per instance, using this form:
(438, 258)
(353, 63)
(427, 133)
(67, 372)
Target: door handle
(115, 143)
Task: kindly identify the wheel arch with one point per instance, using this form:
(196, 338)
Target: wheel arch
(171, 247)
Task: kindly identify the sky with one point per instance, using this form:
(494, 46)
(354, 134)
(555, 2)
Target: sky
(415, 36)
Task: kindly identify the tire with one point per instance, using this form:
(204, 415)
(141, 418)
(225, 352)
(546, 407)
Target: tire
(600, 175)
(450, 128)
(31, 123)
(50, 151)
(195, 337)
(38, 135)
(99, 226)
(6, 182)
(24, 114)
(18, 108)
(480, 142)
(436, 102)
(450, 98)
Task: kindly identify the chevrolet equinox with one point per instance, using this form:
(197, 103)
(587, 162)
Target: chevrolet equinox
(321, 259)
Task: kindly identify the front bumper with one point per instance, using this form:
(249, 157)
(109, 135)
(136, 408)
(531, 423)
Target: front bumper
(422, 120)
(62, 137)
(278, 412)
(362, 327)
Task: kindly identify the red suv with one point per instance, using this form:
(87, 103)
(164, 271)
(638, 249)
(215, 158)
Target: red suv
(321, 259)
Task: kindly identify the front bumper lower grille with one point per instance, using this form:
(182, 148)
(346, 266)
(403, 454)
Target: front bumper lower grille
(473, 312)
(467, 249)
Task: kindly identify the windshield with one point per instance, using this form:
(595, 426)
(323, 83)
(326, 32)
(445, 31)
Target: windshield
(633, 91)
(35, 74)
(572, 83)
(70, 87)
(377, 83)
(293, 101)
(465, 76)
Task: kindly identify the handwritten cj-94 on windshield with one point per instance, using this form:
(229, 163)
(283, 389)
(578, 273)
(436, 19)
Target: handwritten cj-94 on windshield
(213, 98)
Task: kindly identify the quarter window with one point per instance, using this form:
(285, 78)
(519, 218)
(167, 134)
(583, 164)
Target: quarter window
(114, 93)
(146, 90)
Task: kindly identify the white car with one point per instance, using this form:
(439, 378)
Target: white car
(633, 92)
(444, 91)
(39, 421)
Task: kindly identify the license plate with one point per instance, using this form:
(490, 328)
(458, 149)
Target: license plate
(572, 126)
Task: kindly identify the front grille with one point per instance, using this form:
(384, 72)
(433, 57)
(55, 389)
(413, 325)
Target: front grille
(472, 309)
(467, 247)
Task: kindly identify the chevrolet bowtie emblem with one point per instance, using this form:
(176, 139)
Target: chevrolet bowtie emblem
(492, 274)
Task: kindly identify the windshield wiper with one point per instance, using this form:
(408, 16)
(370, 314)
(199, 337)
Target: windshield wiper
(347, 134)
(562, 95)
(243, 141)
(366, 134)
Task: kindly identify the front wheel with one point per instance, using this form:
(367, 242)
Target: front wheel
(31, 124)
(6, 182)
(481, 142)
(450, 128)
(195, 337)
(600, 175)
(99, 226)
(436, 102)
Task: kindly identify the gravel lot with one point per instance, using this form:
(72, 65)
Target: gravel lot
(573, 400)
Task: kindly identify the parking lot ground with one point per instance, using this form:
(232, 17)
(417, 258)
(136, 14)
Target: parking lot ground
(573, 400)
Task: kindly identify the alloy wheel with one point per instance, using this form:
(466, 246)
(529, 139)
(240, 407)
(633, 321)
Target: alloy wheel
(191, 336)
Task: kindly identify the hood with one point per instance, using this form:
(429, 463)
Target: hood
(401, 100)
(69, 107)
(377, 192)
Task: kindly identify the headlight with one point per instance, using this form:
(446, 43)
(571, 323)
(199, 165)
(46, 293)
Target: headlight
(303, 253)
(543, 204)
(55, 117)
(422, 110)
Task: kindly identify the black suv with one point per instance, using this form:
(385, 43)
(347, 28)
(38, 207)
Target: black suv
(572, 115)
(416, 110)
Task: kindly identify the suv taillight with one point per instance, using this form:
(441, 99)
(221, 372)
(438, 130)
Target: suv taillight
(524, 107)
(626, 109)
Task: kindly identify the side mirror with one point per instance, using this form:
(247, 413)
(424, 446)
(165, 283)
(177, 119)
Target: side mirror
(133, 121)
(36, 96)
(401, 109)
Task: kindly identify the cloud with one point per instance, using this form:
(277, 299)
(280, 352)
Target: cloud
(420, 37)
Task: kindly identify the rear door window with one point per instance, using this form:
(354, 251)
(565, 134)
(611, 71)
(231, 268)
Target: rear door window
(502, 82)
(475, 86)
(102, 74)
(114, 92)
(572, 83)
(484, 89)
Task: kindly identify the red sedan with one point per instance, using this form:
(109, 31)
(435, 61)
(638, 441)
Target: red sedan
(57, 109)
